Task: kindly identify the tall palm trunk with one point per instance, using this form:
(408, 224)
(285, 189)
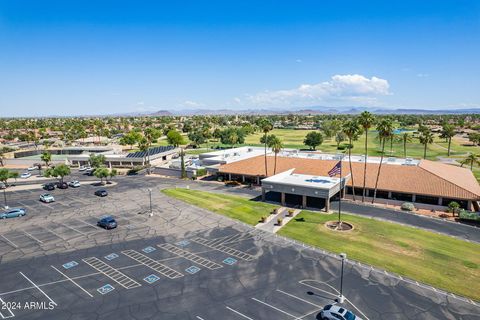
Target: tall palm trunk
(404, 148)
(471, 165)
(350, 165)
(425, 151)
(266, 168)
(378, 172)
(275, 165)
(365, 165)
(449, 144)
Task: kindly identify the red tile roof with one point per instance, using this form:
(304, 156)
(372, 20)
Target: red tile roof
(428, 178)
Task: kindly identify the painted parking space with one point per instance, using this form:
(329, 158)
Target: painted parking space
(20, 239)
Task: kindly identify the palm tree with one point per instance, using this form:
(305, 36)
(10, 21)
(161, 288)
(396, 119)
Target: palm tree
(448, 131)
(46, 157)
(266, 127)
(406, 137)
(385, 131)
(277, 146)
(472, 159)
(425, 137)
(352, 131)
(366, 121)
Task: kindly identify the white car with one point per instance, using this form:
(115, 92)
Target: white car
(26, 175)
(82, 168)
(47, 197)
(333, 312)
(74, 184)
(32, 168)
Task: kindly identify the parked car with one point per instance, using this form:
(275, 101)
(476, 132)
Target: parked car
(74, 184)
(62, 185)
(82, 168)
(32, 168)
(333, 312)
(13, 213)
(25, 175)
(107, 222)
(49, 186)
(101, 193)
(2, 186)
(47, 197)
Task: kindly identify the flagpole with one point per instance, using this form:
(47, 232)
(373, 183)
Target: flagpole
(340, 198)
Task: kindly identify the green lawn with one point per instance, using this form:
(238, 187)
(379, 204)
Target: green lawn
(438, 260)
(231, 206)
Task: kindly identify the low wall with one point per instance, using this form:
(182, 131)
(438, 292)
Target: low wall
(172, 172)
(25, 163)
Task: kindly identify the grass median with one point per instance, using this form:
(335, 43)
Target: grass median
(231, 206)
(441, 261)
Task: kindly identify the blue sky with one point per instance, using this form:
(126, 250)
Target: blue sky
(101, 57)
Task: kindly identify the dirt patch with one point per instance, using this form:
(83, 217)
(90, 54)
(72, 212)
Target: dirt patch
(339, 226)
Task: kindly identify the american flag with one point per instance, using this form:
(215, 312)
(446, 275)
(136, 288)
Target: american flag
(336, 170)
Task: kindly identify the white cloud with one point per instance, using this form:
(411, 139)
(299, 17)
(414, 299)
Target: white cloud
(191, 104)
(339, 89)
(423, 75)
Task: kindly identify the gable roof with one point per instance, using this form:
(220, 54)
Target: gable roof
(428, 178)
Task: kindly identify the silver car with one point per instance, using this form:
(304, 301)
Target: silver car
(333, 312)
(47, 198)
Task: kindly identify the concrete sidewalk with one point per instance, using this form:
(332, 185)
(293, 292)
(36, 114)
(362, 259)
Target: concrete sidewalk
(271, 224)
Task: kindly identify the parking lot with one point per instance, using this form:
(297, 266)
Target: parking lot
(182, 263)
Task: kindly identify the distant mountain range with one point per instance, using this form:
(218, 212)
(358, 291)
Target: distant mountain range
(307, 111)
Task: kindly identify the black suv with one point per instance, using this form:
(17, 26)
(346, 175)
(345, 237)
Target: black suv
(101, 193)
(49, 186)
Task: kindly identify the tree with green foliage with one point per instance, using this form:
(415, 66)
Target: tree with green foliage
(46, 157)
(175, 138)
(425, 138)
(352, 131)
(96, 160)
(113, 173)
(339, 138)
(6, 174)
(471, 159)
(366, 120)
(474, 138)
(454, 207)
(313, 139)
(101, 173)
(131, 138)
(385, 131)
(59, 172)
(330, 128)
(232, 136)
(448, 132)
(277, 146)
(197, 137)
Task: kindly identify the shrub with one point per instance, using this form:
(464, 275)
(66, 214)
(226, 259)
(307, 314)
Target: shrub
(232, 183)
(279, 221)
(290, 213)
(453, 207)
(201, 172)
(468, 215)
(408, 206)
(263, 219)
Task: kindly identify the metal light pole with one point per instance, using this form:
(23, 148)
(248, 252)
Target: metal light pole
(341, 298)
(150, 193)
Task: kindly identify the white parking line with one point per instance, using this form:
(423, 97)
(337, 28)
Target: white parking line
(88, 224)
(39, 289)
(72, 281)
(4, 306)
(275, 308)
(199, 318)
(239, 313)
(54, 233)
(71, 228)
(298, 298)
(10, 242)
(32, 237)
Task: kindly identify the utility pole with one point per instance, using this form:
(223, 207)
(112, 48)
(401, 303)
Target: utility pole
(150, 193)
(341, 298)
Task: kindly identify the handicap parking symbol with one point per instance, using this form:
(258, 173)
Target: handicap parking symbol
(151, 279)
(111, 256)
(148, 249)
(192, 269)
(70, 264)
(230, 261)
(105, 289)
(183, 243)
